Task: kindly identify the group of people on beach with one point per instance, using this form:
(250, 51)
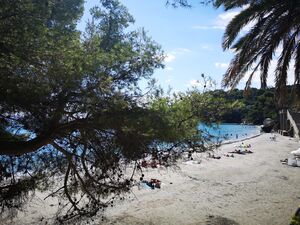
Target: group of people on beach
(241, 149)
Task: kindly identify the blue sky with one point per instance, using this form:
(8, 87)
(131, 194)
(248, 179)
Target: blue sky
(190, 37)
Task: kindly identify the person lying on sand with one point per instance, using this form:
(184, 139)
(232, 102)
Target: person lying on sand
(213, 156)
(248, 151)
(284, 161)
(153, 183)
(238, 151)
(244, 145)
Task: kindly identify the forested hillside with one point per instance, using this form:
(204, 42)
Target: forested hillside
(255, 105)
(252, 107)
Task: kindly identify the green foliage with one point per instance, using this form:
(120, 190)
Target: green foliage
(182, 113)
(275, 24)
(252, 108)
(77, 100)
(296, 218)
(187, 3)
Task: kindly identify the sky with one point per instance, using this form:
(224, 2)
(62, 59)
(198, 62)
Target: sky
(190, 37)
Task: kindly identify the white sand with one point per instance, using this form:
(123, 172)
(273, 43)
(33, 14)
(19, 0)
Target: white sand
(254, 189)
(248, 189)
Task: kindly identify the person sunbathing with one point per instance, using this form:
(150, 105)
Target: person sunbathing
(213, 156)
(153, 183)
(248, 151)
(238, 151)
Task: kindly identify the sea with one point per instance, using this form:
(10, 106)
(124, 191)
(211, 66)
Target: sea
(228, 132)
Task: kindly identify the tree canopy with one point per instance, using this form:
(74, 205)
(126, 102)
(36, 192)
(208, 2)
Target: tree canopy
(72, 115)
(252, 108)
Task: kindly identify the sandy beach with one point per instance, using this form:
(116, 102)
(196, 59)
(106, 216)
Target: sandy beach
(251, 189)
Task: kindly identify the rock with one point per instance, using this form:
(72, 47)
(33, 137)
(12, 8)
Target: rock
(268, 125)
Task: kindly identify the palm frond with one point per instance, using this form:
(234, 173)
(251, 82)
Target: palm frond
(249, 81)
(241, 20)
(282, 67)
(231, 4)
(275, 22)
(297, 64)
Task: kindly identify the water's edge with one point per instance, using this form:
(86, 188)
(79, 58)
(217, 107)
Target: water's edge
(239, 140)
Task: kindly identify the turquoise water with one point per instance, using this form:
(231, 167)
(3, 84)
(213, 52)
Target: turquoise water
(229, 131)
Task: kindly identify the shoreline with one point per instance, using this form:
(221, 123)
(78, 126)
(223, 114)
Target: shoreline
(243, 139)
(233, 140)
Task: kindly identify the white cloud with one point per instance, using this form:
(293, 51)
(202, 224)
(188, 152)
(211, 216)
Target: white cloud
(194, 83)
(182, 50)
(206, 47)
(199, 27)
(224, 18)
(221, 21)
(221, 65)
(169, 68)
(168, 81)
(170, 57)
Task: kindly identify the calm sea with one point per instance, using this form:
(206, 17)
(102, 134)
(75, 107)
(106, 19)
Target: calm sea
(230, 131)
